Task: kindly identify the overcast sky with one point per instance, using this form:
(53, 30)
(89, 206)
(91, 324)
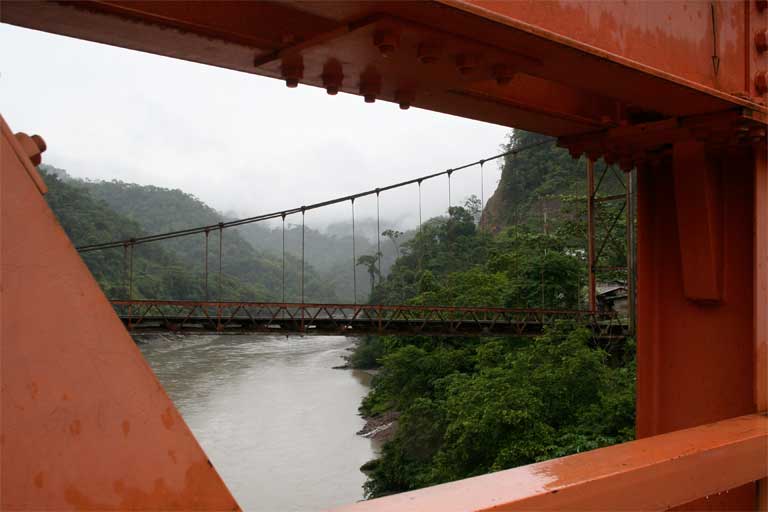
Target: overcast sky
(242, 143)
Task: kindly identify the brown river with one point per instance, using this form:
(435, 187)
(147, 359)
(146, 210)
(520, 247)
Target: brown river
(275, 419)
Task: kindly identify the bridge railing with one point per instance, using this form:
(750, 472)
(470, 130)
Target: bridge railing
(654, 473)
(353, 318)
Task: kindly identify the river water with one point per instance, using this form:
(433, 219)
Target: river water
(275, 419)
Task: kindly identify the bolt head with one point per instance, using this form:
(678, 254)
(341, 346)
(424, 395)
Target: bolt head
(761, 82)
(503, 74)
(761, 40)
(428, 53)
(466, 64)
(386, 41)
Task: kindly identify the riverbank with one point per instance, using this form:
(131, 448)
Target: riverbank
(380, 428)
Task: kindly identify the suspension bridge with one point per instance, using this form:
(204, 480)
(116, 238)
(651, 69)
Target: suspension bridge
(154, 316)
(219, 315)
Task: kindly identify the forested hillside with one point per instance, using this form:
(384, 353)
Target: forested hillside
(102, 211)
(88, 220)
(468, 406)
(539, 185)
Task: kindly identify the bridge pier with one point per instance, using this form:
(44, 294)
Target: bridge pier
(701, 293)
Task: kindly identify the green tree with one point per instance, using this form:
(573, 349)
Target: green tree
(371, 264)
(393, 235)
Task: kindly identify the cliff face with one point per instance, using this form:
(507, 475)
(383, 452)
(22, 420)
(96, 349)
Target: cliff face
(531, 183)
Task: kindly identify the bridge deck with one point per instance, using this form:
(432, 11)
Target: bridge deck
(147, 316)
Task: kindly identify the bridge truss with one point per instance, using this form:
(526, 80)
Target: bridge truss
(153, 316)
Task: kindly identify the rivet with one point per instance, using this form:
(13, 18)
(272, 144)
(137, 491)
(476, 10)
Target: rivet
(404, 99)
(466, 63)
(761, 40)
(503, 74)
(761, 82)
(332, 77)
(386, 41)
(428, 53)
(757, 134)
(293, 71)
(370, 86)
(33, 146)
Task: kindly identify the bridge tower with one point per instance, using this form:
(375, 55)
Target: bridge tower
(676, 90)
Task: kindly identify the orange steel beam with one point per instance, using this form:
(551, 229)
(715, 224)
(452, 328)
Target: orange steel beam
(84, 423)
(672, 39)
(761, 278)
(655, 473)
(761, 297)
(544, 66)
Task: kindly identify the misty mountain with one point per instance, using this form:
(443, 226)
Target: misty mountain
(98, 211)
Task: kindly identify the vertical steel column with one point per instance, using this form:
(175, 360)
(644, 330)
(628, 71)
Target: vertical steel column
(761, 297)
(591, 282)
(631, 248)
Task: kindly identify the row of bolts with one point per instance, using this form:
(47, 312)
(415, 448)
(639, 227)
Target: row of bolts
(387, 41)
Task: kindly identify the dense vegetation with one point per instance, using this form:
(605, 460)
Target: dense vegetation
(94, 212)
(473, 405)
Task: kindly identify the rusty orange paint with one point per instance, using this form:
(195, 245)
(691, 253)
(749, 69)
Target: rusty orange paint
(695, 360)
(84, 423)
(761, 296)
(643, 32)
(697, 186)
(655, 473)
(761, 278)
(570, 67)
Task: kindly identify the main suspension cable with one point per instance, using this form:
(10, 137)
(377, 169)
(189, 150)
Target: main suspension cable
(274, 215)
